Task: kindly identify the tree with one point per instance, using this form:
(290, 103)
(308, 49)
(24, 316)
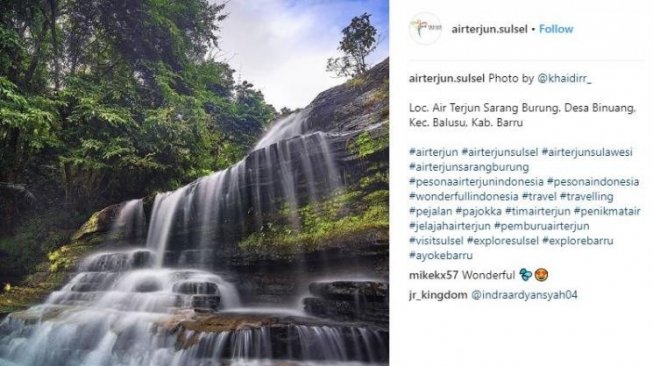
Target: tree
(105, 100)
(108, 99)
(359, 39)
(284, 111)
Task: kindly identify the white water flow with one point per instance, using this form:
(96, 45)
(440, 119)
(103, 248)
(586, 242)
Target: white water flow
(130, 221)
(285, 170)
(287, 127)
(163, 213)
(117, 309)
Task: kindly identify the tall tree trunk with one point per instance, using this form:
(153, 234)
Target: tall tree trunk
(7, 225)
(9, 174)
(11, 158)
(36, 56)
(55, 44)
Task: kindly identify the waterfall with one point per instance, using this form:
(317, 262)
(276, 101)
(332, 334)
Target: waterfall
(287, 127)
(130, 222)
(123, 306)
(163, 213)
(320, 343)
(284, 169)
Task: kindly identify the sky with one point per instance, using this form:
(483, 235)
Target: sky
(282, 46)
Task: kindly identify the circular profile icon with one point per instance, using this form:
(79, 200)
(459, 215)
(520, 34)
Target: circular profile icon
(425, 28)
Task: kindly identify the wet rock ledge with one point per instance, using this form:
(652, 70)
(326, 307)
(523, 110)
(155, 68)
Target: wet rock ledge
(350, 301)
(274, 336)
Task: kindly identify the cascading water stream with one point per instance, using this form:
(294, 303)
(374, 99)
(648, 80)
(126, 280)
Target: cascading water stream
(287, 127)
(163, 213)
(130, 222)
(295, 170)
(117, 309)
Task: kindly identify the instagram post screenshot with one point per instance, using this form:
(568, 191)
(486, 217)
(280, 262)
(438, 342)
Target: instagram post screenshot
(325, 183)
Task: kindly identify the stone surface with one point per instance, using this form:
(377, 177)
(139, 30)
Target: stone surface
(354, 105)
(351, 301)
(205, 302)
(39, 314)
(288, 335)
(196, 288)
(151, 285)
(141, 259)
(367, 291)
(372, 313)
(99, 223)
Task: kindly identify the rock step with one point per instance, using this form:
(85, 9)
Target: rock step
(118, 261)
(85, 287)
(203, 303)
(142, 259)
(275, 337)
(196, 288)
(368, 291)
(350, 301)
(372, 312)
(149, 285)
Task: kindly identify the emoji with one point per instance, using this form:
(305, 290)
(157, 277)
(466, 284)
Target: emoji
(525, 274)
(541, 274)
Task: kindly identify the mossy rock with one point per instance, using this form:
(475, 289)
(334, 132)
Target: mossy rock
(370, 141)
(99, 223)
(352, 219)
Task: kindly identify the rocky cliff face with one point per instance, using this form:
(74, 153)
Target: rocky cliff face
(342, 234)
(355, 105)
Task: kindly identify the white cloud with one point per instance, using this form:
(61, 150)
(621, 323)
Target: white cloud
(282, 47)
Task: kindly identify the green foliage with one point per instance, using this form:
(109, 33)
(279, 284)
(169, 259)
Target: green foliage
(375, 180)
(356, 81)
(359, 39)
(108, 100)
(59, 260)
(30, 117)
(11, 47)
(117, 98)
(357, 214)
(380, 99)
(342, 218)
(365, 145)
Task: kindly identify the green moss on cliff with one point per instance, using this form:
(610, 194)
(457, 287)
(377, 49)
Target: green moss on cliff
(355, 215)
(346, 218)
(366, 144)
